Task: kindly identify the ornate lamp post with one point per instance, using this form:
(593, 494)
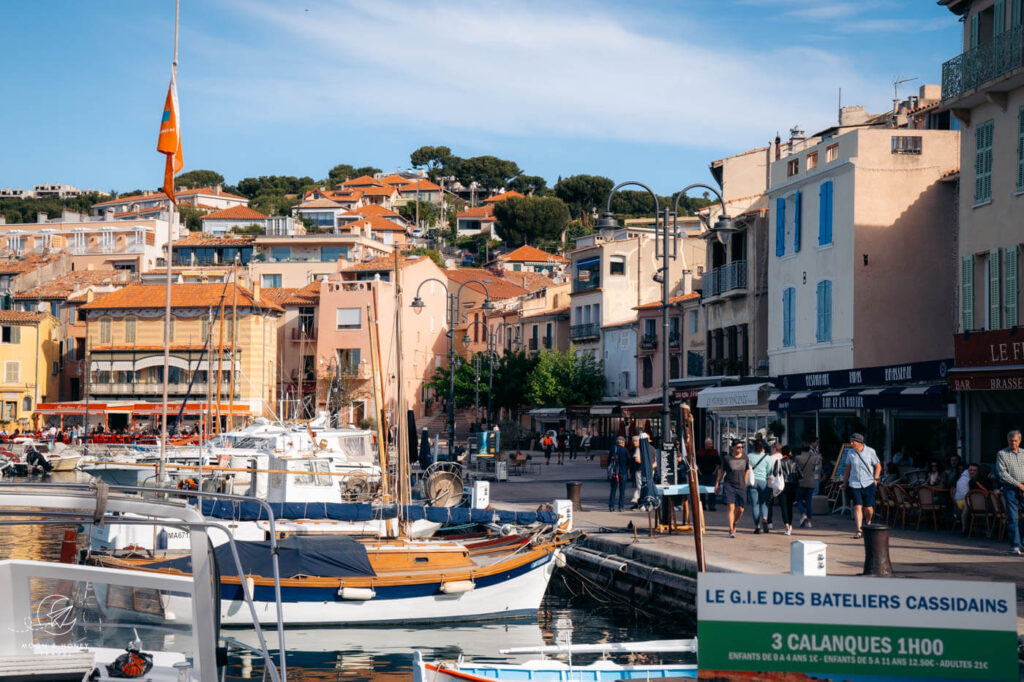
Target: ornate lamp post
(490, 335)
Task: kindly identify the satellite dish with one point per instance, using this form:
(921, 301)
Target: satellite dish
(42, 307)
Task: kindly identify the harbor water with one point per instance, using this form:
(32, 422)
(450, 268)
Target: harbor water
(573, 610)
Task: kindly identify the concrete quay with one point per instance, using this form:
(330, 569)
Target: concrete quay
(924, 553)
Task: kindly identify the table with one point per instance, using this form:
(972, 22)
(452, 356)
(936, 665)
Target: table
(681, 490)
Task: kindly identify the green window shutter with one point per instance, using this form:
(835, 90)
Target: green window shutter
(797, 219)
(967, 292)
(1020, 148)
(975, 36)
(1010, 285)
(999, 17)
(1015, 7)
(983, 162)
(995, 304)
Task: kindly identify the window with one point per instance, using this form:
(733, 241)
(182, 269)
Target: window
(692, 316)
(10, 411)
(330, 254)
(780, 227)
(999, 17)
(11, 334)
(792, 167)
(967, 292)
(832, 153)
(648, 372)
(825, 214)
(129, 330)
(104, 330)
(26, 404)
(983, 162)
(206, 329)
(812, 160)
(673, 367)
(789, 317)
(55, 308)
(280, 254)
(906, 144)
(650, 328)
(823, 334)
(12, 372)
(271, 281)
(617, 265)
(349, 318)
(1020, 150)
(1015, 12)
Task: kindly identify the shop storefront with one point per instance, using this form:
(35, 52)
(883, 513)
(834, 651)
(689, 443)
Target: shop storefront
(735, 412)
(989, 384)
(896, 407)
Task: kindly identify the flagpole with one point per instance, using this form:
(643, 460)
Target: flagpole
(162, 474)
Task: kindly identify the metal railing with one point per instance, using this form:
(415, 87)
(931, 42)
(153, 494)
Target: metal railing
(533, 344)
(585, 285)
(983, 63)
(128, 389)
(730, 277)
(649, 341)
(548, 342)
(578, 332)
(673, 339)
(304, 333)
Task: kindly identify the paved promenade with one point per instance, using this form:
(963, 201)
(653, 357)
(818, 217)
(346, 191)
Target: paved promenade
(921, 553)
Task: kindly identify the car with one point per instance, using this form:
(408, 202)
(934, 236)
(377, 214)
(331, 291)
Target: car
(418, 233)
(468, 260)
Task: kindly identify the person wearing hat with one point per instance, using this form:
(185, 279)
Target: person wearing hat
(860, 477)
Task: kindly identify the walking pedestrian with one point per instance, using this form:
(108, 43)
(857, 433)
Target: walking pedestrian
(776, 455)
(708, 466)
(561, 442)
(635, 474)
(860, 477)
(809, 464)
(548, 443)
(618, 470)
(574, 441)
(786, 468)
(732, 482)
(757, 487)
(1010, 468)
(585, 445)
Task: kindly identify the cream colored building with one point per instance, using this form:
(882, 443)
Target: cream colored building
(30, 366)
(984, 88)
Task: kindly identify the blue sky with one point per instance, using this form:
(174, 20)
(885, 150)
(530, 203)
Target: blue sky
(649, 91)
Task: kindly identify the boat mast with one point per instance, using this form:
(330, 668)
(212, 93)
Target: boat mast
(401, 420)
(378, 402)
(220, 357)
(234, 344)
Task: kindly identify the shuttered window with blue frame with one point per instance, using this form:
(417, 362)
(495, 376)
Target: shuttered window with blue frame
(823, 334)
(797, 219)
(789, 317)
(780, 227)
(825, 214)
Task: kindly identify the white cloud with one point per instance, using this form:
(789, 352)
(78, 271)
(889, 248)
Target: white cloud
(529, 70)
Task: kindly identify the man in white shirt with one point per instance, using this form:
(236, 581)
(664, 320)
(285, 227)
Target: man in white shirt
(968, 480)
(860, 477)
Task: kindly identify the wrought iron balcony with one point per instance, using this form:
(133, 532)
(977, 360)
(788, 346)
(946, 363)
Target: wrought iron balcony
(547, 342)
(673, 339)
(533, 344)
(721, 280)
(582, 332)
(984, 63)
(586, 285)
(649, 341)
(304, 333)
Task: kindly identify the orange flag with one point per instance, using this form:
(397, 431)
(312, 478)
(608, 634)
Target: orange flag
(169, 142)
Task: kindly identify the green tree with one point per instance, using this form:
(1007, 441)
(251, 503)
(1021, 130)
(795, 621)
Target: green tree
(576, 229)
(511, 373)
(429, 213)
(25, 210)
(434, 159)
(344, 171)
(530, 219)
(528, 184)
(198, 178)
(248, 229)
(489, 171)
(191, 217)
(270, 203)
(274, 185)
(465, 382)
(432, 254)
(584, 194)
(561, 379)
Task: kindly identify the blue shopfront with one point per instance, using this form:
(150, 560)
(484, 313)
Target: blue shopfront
(904, 407)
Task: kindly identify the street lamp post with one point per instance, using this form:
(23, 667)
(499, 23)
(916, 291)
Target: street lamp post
(490, 336)
(453, 318)
(666, 246)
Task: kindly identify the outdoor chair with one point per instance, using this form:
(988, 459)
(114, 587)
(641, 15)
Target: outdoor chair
(977, 508)
(928, 503)
(997, 507)
(904, 503)
(884, 503)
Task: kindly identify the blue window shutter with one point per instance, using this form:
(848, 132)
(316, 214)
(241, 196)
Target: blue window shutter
(792, 316)
(975, 25)
(819, 297)
(796, 219)
(825, 214)
(827, 315)
(1015, 7)
(780, 227)
(785, 317)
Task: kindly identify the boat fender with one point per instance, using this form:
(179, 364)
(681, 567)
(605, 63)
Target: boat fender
(458, 586)
(356, 593)
(250, 584)
(506, 530)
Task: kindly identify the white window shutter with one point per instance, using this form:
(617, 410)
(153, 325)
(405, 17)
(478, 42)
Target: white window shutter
(967, 292)
(1010, 285)
(995, 304)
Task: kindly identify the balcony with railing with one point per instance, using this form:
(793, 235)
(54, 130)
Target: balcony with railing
(649, 342)
(728, 279)
(533, 344)
(983, 64)
(548, 342)
(673, 339)
(593, 282)
(584, 332)
(304, 333)
(141, 389)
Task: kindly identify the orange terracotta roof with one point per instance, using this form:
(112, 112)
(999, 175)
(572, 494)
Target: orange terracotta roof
(381, 263)
(531, 281)
(496, 287)
(375, 223)
(16, 316)
(372, 210)
(482, 212)
(504, 195)
(552, 311)
(530, 254)
(319, 203)
(379, 191)
(17, 266)
(199, 295)
(656, 305)
(395, 180)
(307, 295)
(63, 287)
(207, 240)
(420, 185)
(235, 213)
(210, 191)
(362, 181)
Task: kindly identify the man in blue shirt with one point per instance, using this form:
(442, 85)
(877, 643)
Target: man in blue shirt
(862, 472)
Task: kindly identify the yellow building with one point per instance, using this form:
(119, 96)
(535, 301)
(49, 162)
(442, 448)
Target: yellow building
(30, 365)
(216, 328)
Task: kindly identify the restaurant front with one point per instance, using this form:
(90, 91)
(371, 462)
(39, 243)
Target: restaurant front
(989, 384)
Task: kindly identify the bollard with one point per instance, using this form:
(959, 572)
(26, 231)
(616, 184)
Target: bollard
(574, 490)
(876, 550)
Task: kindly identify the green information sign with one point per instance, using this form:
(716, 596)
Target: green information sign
(855, 628)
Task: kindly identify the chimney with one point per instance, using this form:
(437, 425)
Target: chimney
(108, 214)
(796, 135)
(687, 281)
(851, 116)
(778, 147)
(41, 217)
(217, 189)
(255, 289)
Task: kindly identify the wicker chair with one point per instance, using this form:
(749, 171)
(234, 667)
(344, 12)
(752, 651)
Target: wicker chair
(997, 508)
(928, 503)
(904, 503)
(977, 507)
(884, 504)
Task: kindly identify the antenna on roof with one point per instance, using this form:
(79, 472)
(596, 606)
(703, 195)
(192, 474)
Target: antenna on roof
(897, 82)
